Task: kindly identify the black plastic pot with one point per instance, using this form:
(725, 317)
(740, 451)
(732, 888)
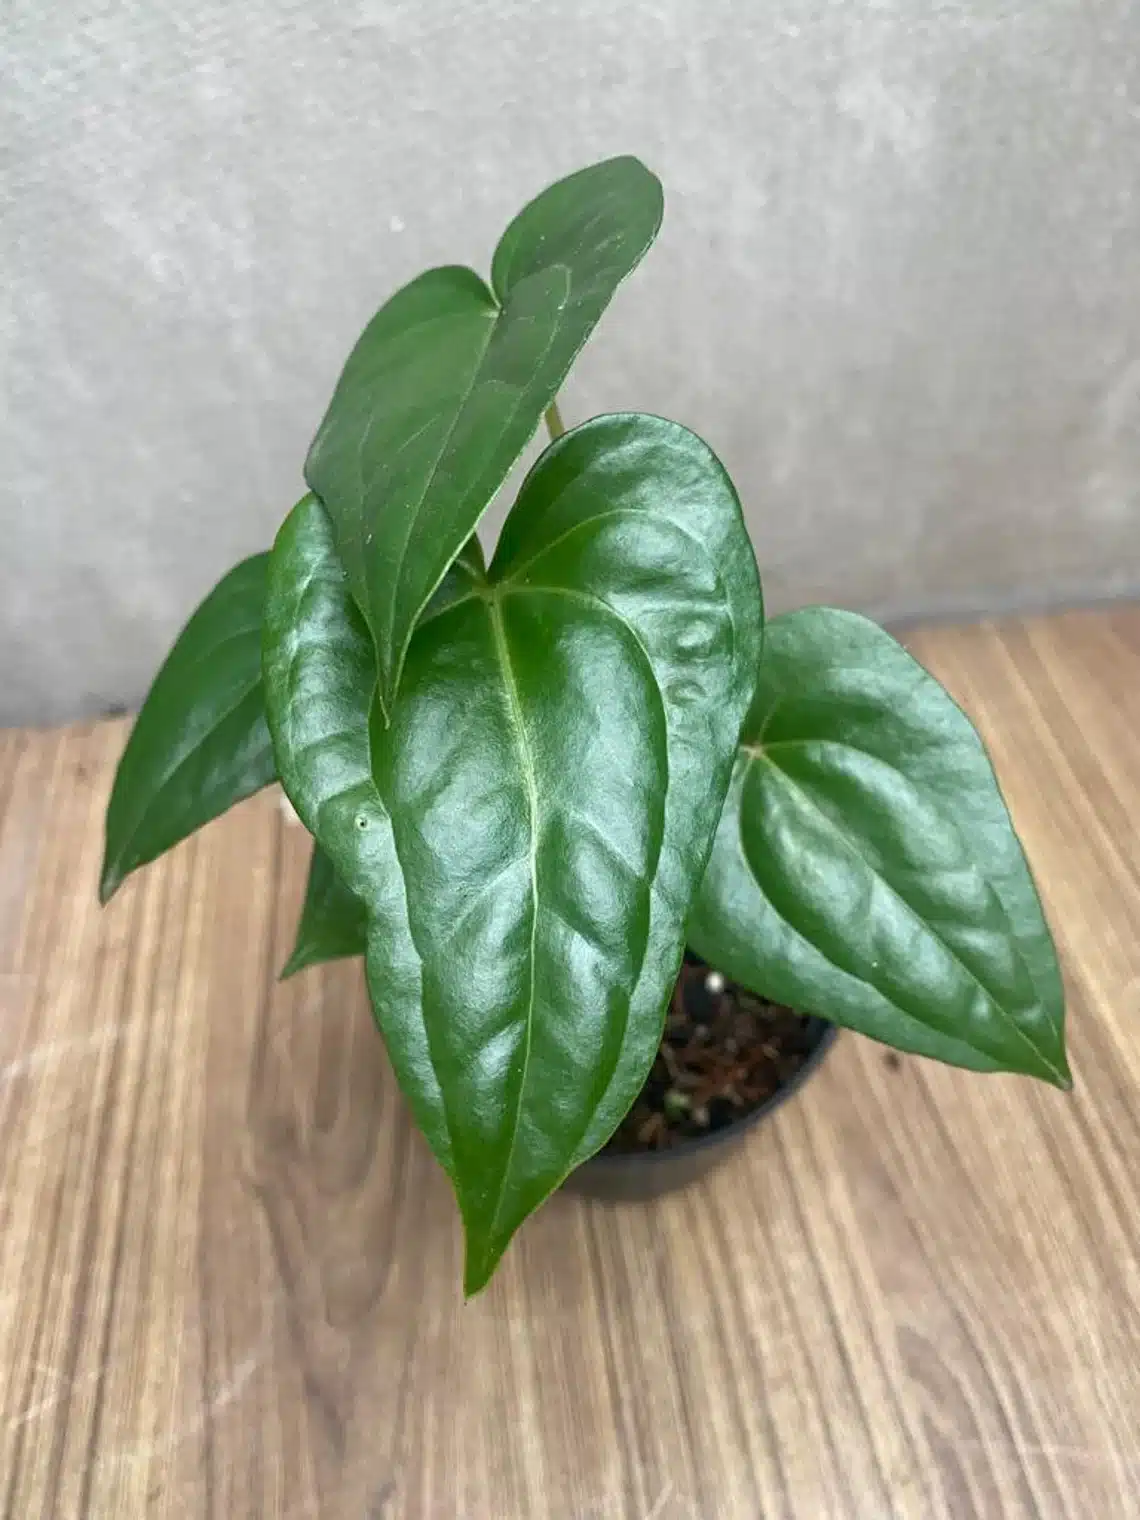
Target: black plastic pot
(635, 1176)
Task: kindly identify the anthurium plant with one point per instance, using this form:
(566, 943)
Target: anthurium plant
(531, 784)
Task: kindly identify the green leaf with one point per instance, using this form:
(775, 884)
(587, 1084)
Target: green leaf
(333, 921)
(528, 832)
(866, 868)
(200, 742)
(448, 383)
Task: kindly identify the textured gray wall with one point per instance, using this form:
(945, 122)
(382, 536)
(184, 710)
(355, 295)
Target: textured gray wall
(896, 287)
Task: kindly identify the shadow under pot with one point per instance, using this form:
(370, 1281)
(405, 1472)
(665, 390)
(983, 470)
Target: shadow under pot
(728, 1058)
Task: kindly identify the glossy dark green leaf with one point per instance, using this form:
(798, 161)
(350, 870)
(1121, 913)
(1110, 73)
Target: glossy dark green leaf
(528, 831)
(449, 382)
(866, 868)
(200, 742)
(333, 922)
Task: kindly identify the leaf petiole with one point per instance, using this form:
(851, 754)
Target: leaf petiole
(554, 424)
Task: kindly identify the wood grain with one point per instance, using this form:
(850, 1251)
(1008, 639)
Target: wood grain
(230, 1270)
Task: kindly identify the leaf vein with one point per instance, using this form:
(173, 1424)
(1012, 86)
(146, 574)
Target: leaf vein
(515, 707)
(853, 847)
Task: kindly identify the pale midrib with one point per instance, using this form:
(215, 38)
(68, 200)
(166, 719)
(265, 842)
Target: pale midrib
(502, 649)
(599, 604)
(763, 749)
(595, 518)
(520, 393)
(460, 601)
(849, 976)
(359, 524)
(851, 845)
(413, 517)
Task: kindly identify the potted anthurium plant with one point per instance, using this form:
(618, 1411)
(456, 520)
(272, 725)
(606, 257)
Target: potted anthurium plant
(536, 786)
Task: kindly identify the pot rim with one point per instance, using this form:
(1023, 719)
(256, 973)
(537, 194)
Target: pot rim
(828, 1034)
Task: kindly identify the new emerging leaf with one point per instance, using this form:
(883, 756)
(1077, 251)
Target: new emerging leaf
(448, 383)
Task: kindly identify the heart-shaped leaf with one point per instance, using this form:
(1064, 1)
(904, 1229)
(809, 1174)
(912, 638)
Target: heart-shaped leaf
(448, 383)
(866, 868)
(199, 743)
(333, 923)
(528, 831)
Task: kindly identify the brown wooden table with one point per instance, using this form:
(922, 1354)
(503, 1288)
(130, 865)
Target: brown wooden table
(230, 1270)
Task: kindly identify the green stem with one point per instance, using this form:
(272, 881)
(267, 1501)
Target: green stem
(554, 424)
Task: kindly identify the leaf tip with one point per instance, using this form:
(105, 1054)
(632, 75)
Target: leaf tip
(476, 1276)
(295, 963)
(481, 1259)
(1061, 1075)
(110, 880)
(1052, 1066)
